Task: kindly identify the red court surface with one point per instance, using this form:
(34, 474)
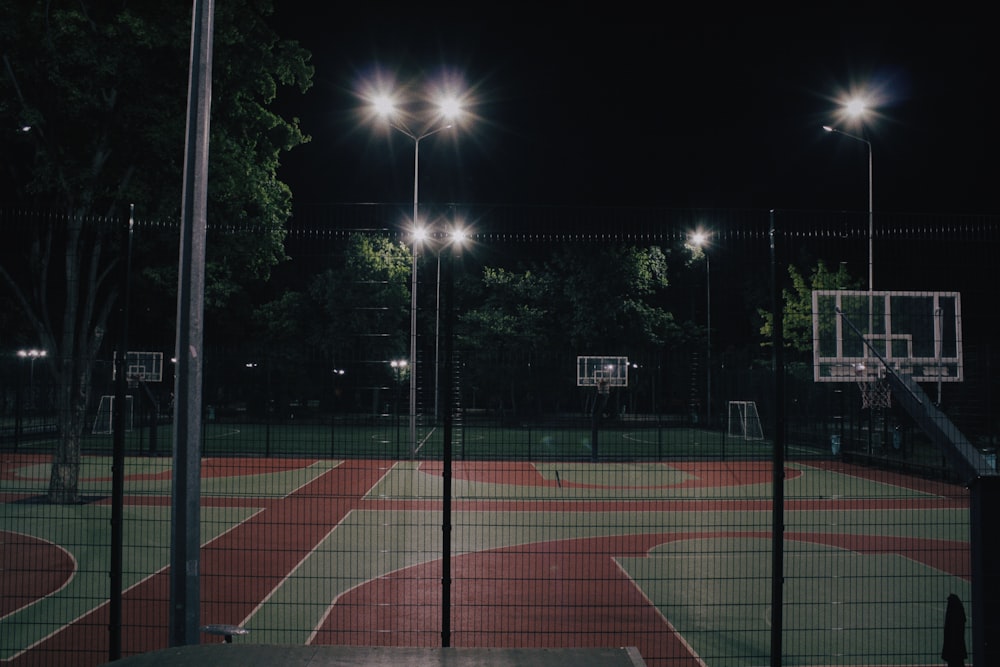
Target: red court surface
(535, 576)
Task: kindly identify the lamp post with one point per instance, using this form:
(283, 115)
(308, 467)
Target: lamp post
(700, 240)
(871, 201)
(32, 355)
(857, 109)
(385, 106)
(454, 238)
(397, 367)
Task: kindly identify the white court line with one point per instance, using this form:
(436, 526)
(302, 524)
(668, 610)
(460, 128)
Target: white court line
(302, 562)
(309, 481)
(678, 635)
(93, 610)
(51, 593)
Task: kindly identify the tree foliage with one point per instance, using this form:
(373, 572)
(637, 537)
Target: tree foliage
(797, 319)
(607, 295)
(356, 310)
(361, 307)
(583, 300)
(92, 104)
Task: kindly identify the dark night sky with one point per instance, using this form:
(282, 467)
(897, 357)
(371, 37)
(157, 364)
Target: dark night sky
(652, 113)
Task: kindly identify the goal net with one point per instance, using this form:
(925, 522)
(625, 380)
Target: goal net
(744, 421)
(104, 422)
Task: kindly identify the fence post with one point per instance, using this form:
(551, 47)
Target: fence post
(778, 494)
(984, 500)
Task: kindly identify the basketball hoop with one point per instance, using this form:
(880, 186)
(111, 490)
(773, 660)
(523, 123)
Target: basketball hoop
(136, 374)
(875, 394)
(603, 387)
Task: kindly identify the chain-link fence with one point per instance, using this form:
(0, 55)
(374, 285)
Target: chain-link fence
(373, 477)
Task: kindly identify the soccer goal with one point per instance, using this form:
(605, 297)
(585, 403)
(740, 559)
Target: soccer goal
(744, 421)
(104, 422)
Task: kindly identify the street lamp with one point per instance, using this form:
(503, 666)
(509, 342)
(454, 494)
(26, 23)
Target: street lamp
(871, 201)
(447, 109)
(856, 109)
(456, 237)
(32, 355)
(699, 240)
(398, 365)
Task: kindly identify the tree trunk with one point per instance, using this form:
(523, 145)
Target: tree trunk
(64, 481)
(64, 486)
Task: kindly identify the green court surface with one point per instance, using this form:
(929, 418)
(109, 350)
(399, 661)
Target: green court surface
(297, 549)
(382, 438)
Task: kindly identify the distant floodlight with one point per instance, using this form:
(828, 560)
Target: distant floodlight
(451, 107)
(856, 107)
(384, 105)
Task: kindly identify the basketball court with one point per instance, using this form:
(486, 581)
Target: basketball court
(671, 559)
(556, 555)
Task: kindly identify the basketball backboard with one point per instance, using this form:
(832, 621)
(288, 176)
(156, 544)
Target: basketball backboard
(602, 371)
(144, 366)
(858, 334)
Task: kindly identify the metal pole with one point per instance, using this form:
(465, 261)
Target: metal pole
(437, 340)
(185, 540)
(31, 387)
(871, 219)
(413, 283)
(871, 262)
(396, 410)
(118, 460)
(447, 452)
(778, 452)
(871, 284)
(413, 306)
(984, 501)
(708, 338)
(871, 203)
(19, 407)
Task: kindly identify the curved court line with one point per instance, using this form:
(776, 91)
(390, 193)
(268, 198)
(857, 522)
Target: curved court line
(65, 583)
(305, 558)
(404, 464)
(656, 610)
(291, 573)
(360, 584)
(580, 551)
(886, 547)
(100, 606)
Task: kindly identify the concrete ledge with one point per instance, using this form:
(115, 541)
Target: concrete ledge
(255, 655)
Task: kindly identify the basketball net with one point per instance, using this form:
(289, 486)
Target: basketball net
(875, 394)
(135, 376)
(603, 387)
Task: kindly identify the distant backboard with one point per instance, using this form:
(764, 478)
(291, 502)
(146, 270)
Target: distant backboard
(602, 371)
(858, 334)
(144, 366)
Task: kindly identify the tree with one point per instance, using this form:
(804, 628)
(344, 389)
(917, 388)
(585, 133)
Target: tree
(357, 311)
(797, 318)
(98, 92)
(609, 297)
(584, 300)
(362, 306)
(513, 317)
